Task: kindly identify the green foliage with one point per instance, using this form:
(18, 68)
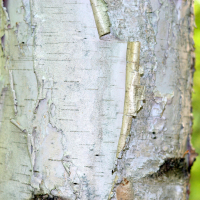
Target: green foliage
(195, 172)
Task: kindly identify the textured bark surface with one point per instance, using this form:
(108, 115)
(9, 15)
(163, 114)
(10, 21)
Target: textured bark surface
(62, 100)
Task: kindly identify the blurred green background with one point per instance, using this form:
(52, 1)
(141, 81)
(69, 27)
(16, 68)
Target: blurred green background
(195, 172)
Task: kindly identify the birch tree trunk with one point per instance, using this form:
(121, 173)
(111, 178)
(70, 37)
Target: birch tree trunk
(62, 99)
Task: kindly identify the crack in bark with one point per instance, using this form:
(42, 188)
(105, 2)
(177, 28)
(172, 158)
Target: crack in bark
(172, 166)
(46, 197)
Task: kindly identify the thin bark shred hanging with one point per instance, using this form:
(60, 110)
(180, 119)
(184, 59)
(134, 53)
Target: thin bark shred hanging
(13, 91)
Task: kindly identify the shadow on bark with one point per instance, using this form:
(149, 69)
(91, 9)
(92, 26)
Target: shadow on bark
(46, 197)
(172, 167)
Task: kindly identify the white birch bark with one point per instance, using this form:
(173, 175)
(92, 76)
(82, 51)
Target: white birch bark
(62, 100)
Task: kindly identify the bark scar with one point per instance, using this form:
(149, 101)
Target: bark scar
(124, 190)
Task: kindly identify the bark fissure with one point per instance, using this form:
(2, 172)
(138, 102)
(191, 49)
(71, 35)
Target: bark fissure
(172, 167)
(46, 197)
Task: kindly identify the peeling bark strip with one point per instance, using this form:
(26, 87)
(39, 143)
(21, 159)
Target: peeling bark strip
(13, 91)
(101, 17)
(125, 130)
(134, 91)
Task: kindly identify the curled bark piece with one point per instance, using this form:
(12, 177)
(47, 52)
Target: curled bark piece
(134, 91)
(18, 125)
(134, 94)
(125, 131)
(101, 17)
(124, 191)
(30, 144)
(133, 97)
(133, 53)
